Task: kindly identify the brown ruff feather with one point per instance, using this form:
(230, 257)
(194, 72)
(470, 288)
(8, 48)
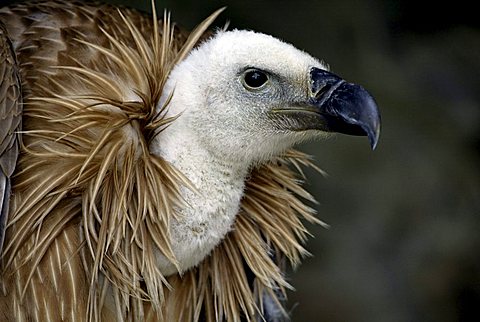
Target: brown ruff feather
(91, 205)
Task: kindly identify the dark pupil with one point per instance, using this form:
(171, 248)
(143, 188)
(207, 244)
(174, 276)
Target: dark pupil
(255, 78)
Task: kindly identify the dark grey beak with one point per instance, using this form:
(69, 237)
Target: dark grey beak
(344, 107)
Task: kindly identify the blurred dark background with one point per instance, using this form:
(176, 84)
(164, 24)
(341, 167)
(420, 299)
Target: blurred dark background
(405, 219)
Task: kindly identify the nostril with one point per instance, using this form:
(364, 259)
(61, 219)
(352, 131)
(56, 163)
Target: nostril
(322, 91)
(326, 90)
(323, 83)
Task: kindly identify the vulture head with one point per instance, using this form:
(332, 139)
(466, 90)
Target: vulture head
(248, 96)
(240, 99)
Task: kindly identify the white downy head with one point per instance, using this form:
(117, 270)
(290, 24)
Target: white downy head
(227, 116)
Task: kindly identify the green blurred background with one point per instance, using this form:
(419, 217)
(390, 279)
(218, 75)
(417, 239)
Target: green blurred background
(405, 219)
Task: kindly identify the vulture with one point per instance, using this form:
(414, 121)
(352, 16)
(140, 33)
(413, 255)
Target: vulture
(148, 173)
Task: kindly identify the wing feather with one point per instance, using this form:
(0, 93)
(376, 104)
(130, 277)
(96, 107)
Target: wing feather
(10, 122)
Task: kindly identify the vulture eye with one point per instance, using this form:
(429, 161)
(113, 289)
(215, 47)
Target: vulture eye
(254, 79)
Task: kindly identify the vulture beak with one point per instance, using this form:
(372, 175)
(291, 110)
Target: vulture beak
(342, 107)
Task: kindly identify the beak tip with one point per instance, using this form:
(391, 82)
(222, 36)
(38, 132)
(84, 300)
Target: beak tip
(369, 116)
(373, 138)
(373, 135)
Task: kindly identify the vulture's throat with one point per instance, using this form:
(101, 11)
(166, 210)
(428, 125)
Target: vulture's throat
(210, 210)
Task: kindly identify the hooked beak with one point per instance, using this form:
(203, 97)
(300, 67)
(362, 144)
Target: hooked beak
(336, 106)
(345, 107)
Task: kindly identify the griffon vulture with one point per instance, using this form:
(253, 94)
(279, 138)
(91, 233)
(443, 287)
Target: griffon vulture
(147, 174)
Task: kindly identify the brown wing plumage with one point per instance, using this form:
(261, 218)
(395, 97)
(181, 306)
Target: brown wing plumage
(10, 122)
(90, 204)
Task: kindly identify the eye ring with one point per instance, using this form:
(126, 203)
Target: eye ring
(254, 79)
